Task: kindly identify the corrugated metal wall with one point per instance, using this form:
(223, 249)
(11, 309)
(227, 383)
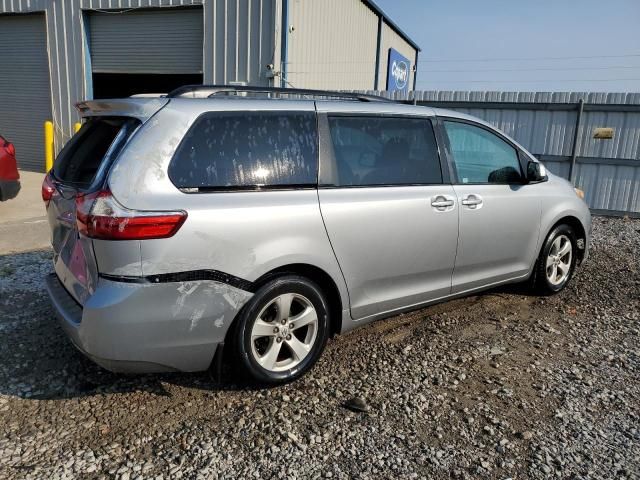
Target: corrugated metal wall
(333, 44)
(239, 40)
(390, 39)
(544, 123)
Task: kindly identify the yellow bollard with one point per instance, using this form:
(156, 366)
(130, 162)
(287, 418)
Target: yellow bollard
(77, 126)
(48, 145)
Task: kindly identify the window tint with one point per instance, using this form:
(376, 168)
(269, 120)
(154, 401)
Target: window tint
(480, 156)
(81, 157)
(247, 149)
(383, 151)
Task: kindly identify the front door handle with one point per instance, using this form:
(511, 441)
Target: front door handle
(442, 203)
(472, 201)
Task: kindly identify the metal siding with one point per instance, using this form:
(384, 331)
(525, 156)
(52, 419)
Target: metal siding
(147, 41)
(390, 39)
(550, 132)
(333, 45)
(25, 92)
(239, 41)
(65, 39)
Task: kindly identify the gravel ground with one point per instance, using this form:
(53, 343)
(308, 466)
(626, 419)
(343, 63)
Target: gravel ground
(500, 385)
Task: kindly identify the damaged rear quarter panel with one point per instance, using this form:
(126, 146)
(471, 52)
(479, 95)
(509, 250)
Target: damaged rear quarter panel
(241, 233)
(176, 324)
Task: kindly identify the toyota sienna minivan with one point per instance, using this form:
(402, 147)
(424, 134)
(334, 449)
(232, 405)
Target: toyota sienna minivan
(266, 220)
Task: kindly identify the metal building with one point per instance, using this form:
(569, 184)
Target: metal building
(58, 52)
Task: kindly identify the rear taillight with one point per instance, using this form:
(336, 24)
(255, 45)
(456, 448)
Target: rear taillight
(99, 215)
(48, 189)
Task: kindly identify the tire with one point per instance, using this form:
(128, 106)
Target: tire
(548, 281)
(266, 348)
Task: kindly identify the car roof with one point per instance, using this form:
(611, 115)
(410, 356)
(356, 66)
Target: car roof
(144, 107)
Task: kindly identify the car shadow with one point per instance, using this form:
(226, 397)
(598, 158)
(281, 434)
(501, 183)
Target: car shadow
(37, 360)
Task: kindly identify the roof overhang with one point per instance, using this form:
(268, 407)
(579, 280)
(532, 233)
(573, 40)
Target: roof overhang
(378, 11)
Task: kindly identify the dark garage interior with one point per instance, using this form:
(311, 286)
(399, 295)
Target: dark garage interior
(117, 85)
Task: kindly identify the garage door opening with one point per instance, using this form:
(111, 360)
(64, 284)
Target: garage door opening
(145, 51)
(118, 85)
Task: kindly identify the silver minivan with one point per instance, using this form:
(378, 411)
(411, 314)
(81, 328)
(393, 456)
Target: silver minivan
(261, 221)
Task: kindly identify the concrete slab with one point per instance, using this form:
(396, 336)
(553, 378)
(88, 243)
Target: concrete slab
(23, 222)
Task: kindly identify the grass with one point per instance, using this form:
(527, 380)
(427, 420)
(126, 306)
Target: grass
(6, 271)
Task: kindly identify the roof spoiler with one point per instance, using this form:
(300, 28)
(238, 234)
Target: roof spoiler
(140, 108)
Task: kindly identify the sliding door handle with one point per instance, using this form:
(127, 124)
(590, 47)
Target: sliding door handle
(472, 201)
(442, 203)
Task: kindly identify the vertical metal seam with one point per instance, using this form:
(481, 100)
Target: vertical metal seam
(48, 34)
(378, 46)
(249, 49)
(284, 37)
(213, 5)
(415, 73)
(56, 101)
(260, 20)
(204, 50)
(226, 42)
(237, 32)
(574, 147)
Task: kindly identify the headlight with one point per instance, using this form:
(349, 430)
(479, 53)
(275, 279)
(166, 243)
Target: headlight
(579, 193)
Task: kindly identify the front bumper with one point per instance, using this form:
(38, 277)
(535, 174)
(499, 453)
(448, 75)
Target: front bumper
(143, 327)
(9, 189)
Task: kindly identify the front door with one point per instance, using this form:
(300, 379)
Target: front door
(391, 220)
(499, 212)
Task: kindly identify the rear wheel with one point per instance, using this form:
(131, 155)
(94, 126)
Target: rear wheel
(557, 260)
(282, 331)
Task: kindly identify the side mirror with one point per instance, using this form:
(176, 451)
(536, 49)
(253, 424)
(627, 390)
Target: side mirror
(536, 172)
(11, 150)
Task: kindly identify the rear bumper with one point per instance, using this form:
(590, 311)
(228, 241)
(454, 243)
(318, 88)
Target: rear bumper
(143, 328)
(9, 189)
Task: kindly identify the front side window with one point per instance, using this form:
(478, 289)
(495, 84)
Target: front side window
(373, 151)
(480, 156)
(248, 150)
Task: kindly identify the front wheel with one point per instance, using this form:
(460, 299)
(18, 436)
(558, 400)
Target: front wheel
(557, 260)
(282, 330)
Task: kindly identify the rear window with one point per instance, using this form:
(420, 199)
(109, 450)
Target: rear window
(248, 150)
(82, 156)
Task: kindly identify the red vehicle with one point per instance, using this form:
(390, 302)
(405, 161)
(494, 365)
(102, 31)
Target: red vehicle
(9, 176)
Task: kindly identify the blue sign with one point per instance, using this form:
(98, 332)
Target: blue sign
(398, 70)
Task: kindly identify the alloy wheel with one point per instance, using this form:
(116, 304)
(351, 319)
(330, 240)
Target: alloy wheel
(284, 332)
(558, 264)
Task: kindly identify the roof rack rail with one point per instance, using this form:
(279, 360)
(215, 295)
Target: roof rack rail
(207, 91)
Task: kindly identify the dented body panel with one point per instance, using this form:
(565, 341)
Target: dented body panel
(141, 327)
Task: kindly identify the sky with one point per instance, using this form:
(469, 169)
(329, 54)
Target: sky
(523, 45)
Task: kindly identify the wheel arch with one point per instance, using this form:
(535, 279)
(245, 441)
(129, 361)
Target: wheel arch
(317, 275)
(578, 228)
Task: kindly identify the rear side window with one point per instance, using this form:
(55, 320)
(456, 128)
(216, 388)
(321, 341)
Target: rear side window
(80, 159)
(248, 150)
(373, 151)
